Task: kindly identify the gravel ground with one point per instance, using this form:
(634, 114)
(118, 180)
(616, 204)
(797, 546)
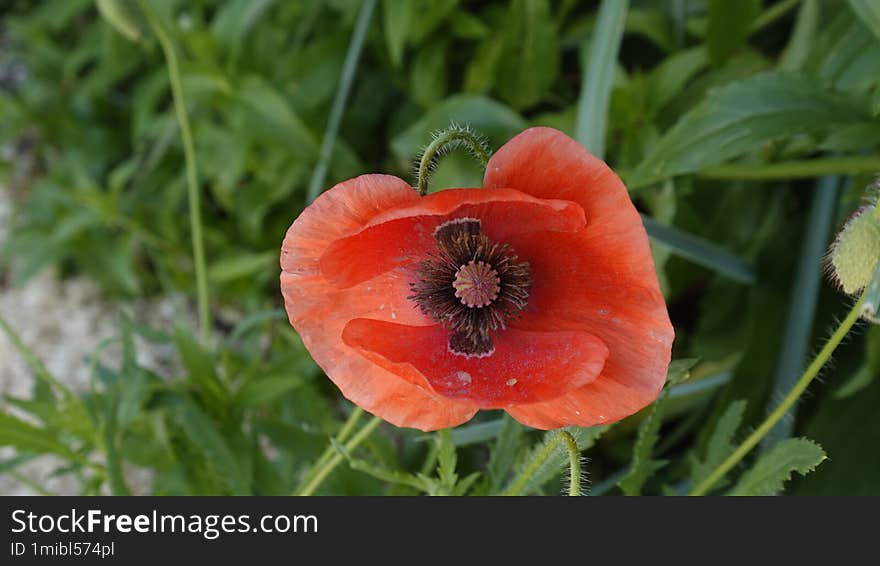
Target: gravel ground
(63, 322)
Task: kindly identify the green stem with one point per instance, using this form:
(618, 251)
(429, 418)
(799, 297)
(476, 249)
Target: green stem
(444, 141)
(346, 79)
(812, 371)
(542, 456)
(574, 463)
(328, 453)
(820, 167)
(322, 471)
(195, 214)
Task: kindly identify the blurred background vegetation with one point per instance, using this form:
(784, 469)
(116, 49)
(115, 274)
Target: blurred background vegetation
(746, 131)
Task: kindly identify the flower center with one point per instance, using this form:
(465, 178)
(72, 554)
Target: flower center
(472, 286)
(476, 284)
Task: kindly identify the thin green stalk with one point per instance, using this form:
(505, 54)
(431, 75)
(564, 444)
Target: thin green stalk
(850, 165)
(341, 436)
(542, 456)
(812, 371)
(330, 464)
(346, 79)
(195, 213)
(34, 362)
(574, 463)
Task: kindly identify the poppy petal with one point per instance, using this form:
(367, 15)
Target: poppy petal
(525, 366)
(313, 305)
(600, 280)
(402, 236)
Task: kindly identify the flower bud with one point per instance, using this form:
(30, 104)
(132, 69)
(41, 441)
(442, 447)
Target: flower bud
(856, 251)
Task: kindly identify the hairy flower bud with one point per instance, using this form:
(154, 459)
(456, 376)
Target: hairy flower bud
(856, 251)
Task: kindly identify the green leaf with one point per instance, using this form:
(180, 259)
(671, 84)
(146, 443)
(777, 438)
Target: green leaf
(479, 78)
(775, 467)
(680, 370)
(642, 466)
(236, 18)
(430, 14)
(869, 12)
(428, 76)
(671, 76)
(276, 118)
(802, 38)
(447, 459)
(28, 438)
(476, 433)
(417, 482)
(266, 390)
(240, 265)
(125, 17)
(488, 117)
(398, 16)
(720, 443)
(199, 365)
(218, 454)
(700, 251)
(529, 63)
(468, 26)
(504, 452)
(845, 54)
(652, 24)
(728, 26)
(737, 118)
(598, 76)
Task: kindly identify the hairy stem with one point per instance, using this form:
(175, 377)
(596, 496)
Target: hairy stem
(812, 371)
(542, 456)
(451, 137)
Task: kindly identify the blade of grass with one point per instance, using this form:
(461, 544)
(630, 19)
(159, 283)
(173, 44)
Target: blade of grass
(846, 165)
(700, 251)
(773, 13)
(802, 302)
(195, 213)
(592, 117)
(36, 365)
(345, 81)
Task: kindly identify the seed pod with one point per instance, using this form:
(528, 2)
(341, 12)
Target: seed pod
(856, 251)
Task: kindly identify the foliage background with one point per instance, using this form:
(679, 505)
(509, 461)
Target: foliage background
(747, 131)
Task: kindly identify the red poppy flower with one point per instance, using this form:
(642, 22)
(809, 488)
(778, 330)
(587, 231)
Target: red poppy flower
(535, 294)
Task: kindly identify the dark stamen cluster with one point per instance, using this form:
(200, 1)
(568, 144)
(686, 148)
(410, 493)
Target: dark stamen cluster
(472, 286)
